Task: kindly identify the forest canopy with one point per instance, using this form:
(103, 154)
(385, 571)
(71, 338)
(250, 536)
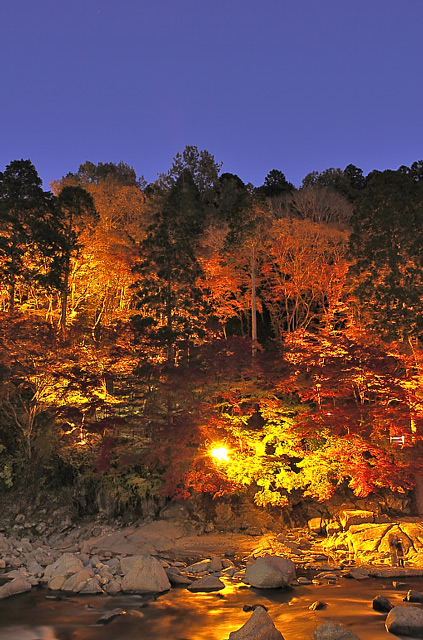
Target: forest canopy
(144, 326)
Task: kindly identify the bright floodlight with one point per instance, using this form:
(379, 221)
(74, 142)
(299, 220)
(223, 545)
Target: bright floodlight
(220, 453)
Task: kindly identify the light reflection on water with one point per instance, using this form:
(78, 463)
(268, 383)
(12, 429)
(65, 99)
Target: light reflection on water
(181, 615)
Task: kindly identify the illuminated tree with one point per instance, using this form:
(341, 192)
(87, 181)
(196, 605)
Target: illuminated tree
(101, 276)
(226, 253)
(359, 403)
(77, 216)
(303, 273)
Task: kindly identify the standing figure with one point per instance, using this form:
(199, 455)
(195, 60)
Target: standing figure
(393, 547)
(400, 552)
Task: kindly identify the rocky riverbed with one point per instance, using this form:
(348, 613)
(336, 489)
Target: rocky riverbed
(156, 556)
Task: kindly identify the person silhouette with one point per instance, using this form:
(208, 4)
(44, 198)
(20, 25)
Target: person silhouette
(393, 547)
(400, 552)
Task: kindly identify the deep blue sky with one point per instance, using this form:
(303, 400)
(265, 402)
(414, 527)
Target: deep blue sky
(295, 85)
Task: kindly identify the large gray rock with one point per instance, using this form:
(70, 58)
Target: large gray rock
(18, 585)
(57, 573)
(77, 581)
(270, 572)
(405, 621)
(334, 631)
(176, 577)
(199, 567)
(143, 573)
(116, 542)
(259, 627)
(113, 587)
(4, 543)
(35, 569)
(92, 586)
(207, 584)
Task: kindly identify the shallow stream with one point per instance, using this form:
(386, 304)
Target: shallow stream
(181, 615)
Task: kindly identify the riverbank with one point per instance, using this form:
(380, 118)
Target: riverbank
(90, 562)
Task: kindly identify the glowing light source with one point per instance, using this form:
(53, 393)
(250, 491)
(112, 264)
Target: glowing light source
(220, 453)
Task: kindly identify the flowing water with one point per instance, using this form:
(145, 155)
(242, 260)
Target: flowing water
(181, 615)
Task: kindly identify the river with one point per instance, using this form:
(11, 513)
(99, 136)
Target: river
(181, 615)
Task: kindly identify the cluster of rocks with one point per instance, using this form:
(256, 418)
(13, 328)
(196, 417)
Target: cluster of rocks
(97, 558)
(365, 538)
(400, 620)
(153, 556)
(85, 574)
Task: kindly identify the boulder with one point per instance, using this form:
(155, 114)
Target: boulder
(316, 525)
(35, 569)
(199, 567)
(382, 604)
(406, 621)
(18, 585)
(270, 572)
(64, 565)
(365, 539)
(355, 516)
(112, 588)
(317, 605)
(333, 631)
(412, 531)
(16, 573)
(143, 573)
(4, 543)
(77, 581)
(115, 542)
(176, 577)
(358, 573)
(259, 627)
(206, 585)
(57, 573)
(399, 585)
(216, 565)
(414, 596)
(92, 587)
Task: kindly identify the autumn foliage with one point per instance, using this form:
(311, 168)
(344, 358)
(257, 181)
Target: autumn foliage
(133, 356)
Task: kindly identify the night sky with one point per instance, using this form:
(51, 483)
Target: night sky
(294, 85)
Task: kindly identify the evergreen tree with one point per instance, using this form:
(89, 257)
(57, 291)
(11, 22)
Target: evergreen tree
(275, 184)
(121, 173)
(201, 164)
(28, 233)
(387, 245)
(168, 297)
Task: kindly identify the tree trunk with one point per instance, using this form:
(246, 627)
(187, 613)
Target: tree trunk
(253, 305)
(63, 314)
(12, 297)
